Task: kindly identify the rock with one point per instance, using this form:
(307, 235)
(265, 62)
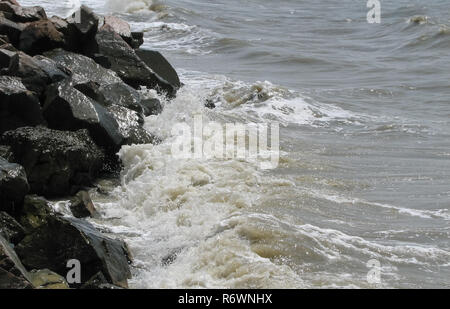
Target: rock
(40, 36)
(85, 20)
(158, 64)
(82, 206)
(210, 104)
(47, 279)
(6, 153)
(117, 25)
(95, 281)
(56, 162)
(13, 186)
(137, 39)
(35, 72)
(22, 14)
(84, 69)
(35, 213)
(66, 108)
(18, 106)
(151, 106)
(73, 39)
(10, 229)
(11, 29)
(13, 274)
(115, 54)
(62, 239)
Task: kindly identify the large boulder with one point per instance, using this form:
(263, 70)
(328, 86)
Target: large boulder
(19, 107)
(46, 279)
(40, 36)
(81, 205)
(13, 186)
(85, 20)
(10, 229)
(57, 162)
(53, 244)
(13, 274)
(159, 64)
(84, 69)
(67, 108)
(112, 52)
(22, 14)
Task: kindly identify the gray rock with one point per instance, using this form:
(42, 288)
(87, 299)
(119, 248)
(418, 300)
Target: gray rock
(151, 107)
(56, 162)
(10, 229)
(82, 206)
(22, 14)
(10, 29)
(13, 274)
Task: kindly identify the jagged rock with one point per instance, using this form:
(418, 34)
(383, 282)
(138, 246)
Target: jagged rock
(159, 64)
(117, 55)
(13, 274)
(85, 20)
(40, 36)
(6, 153)
(22, 14)
(84, 69)
(82, 206)
(66, 108)
(35, 72)
(210, 104)
(63, 239)
(73, 39)
(13, 186)
(151, 106)
(118, 25)
(10, 229)
(47, 279)
(18, 106)
(10, 29)
(56, 162)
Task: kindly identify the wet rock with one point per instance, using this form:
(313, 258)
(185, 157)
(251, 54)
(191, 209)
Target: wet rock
(40, 36)
(118, 25)
(210, 104)
(63, 239)
(82, 206)
(6, 153)
(22, 14)
(13, 186)
(137, 39)
(13, 274)
(151, 106)
(122, 59)
(84, 69)
(66, 108)
(18, 106)
(47, 279)
(55, 161)
(10, 229)
(11, 29)
(159, 64)
(35, 213)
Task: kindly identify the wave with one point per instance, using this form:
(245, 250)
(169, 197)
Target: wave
(135, 6)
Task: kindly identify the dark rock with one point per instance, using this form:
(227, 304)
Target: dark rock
(85, 20)
(35, 72)
(10, 229)
(13, 186)
(22, 14)
(158, 64)
(210, 104)
(55, 161)
(6, 153)
(66, 108)
(137, 39)
(151, 107)
(18, 106)
(82, 206)
(84, 69)
(63, 239)
(122, 59)
(11, 29)
(73, 39)
(12, 273)
(95, 281)
(35, 213)
(40, 36)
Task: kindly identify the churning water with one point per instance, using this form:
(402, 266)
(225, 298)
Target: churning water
(364, 174)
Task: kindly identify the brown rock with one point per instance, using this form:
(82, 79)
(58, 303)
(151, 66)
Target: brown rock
(40, 36)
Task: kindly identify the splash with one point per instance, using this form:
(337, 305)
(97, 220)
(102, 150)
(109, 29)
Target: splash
(136, 6)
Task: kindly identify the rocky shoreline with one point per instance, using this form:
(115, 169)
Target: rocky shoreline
(70, 98)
